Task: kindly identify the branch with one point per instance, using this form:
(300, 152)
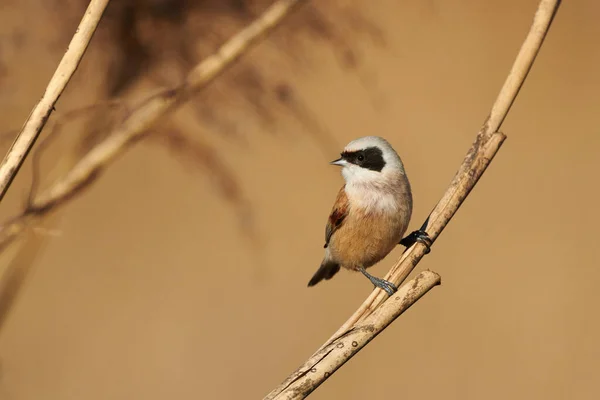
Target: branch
(335, 354)
(41, 112)
(485, 147)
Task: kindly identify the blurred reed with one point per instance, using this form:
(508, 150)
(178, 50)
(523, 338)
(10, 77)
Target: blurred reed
(134, 124)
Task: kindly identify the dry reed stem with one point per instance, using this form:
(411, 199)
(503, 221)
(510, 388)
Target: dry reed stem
(486, 145)
(331, 357)
(41, 112)
(143, 117)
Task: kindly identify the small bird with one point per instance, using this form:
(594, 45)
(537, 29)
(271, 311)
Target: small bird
(371, 212)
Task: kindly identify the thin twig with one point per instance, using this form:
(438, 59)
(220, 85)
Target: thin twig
(486, 145)
(41, 112)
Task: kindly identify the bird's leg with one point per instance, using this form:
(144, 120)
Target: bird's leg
(389, 287)
(418, 236)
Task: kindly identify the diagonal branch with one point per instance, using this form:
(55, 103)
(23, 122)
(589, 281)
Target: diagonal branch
(41, 112)
(339, 350)
(487, 143)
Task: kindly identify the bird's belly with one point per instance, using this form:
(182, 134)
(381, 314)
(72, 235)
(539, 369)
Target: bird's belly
(364, 241)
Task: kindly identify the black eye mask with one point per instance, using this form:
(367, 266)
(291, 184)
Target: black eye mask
(369, 158)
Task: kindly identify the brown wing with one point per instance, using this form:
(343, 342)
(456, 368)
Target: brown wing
(337, 216)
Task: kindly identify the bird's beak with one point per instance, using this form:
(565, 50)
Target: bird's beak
(340, 161)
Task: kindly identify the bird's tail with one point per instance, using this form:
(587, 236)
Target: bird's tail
(326, 271)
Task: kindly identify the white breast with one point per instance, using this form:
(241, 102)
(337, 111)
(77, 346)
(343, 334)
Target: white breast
(373, 200)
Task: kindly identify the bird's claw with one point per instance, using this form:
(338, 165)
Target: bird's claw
(423, 237)
(418, 236)
(387, 286)
(382, 284)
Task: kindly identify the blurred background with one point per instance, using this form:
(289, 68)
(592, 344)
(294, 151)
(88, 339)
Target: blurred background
(181, 271)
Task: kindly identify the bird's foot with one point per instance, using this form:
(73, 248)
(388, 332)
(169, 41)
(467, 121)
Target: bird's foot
(418, 236)
(387, 286)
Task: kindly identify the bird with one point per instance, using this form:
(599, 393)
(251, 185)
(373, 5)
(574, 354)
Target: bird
(371, 212)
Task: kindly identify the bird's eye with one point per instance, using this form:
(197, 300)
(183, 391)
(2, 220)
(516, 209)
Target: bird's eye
(360, 157)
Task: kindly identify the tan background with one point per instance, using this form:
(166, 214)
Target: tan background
(152, 291)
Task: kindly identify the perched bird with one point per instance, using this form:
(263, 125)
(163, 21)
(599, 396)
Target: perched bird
(371, 212)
